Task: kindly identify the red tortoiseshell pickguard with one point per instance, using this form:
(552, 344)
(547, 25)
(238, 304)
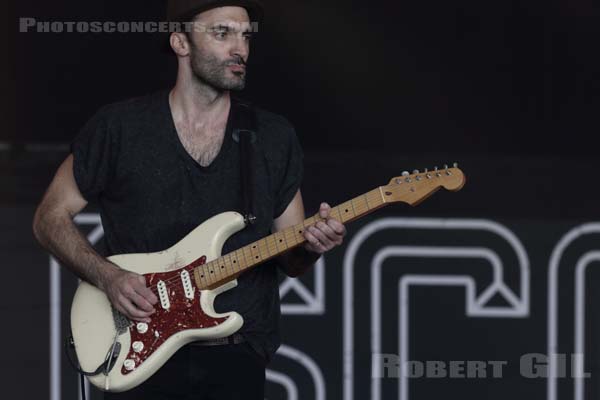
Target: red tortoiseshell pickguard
(182, 314)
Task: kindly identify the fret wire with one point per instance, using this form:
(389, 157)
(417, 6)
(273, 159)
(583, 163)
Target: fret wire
(202, 275)
(243, 262)
(276, 245)
(295, 232)
(220, 263)
(346, 217)
(364, 204)
(283, 240)
(353, 209)
(234, 262)
(274, 241)
(339, 215)
(217, 272)
(367, 200)
(197, 277)
(288, 240)
(208, 275)
(259, 251)
(287, 245)
(271, 252)
(262, 251)
(298, 234)
(378, 197)
(224, 263)
(233, 265)
(253, 254)
(203, 278)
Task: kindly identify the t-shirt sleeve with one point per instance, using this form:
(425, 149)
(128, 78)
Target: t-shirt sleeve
(94, 152)
(292, 172)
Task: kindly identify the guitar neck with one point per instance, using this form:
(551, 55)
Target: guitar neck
(229, 266)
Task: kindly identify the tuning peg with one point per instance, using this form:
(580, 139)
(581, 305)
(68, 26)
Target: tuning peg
(416, 171)
(427, 174)
(455, 165)
(405, 173)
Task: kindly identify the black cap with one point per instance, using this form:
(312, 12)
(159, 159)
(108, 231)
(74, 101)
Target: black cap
(182, 10)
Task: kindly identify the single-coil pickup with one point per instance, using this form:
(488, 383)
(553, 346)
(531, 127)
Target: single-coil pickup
(163, 295)
(188, 289)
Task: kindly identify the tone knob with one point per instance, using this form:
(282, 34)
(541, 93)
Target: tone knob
(137, 346)
(142, 327)
(129, 365)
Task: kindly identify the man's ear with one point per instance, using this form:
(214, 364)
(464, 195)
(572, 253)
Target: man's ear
(180, 44)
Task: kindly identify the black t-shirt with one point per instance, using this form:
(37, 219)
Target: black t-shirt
(129, 161)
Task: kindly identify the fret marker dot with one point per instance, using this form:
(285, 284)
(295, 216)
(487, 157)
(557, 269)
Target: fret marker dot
(346, 210)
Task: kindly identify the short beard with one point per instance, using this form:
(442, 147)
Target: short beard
(210, 70)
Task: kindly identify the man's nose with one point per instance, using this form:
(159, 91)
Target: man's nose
(241, 48)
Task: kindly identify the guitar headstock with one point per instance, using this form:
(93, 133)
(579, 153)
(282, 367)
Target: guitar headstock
(416, 187)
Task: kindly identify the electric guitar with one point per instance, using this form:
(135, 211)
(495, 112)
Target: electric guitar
(118, 354)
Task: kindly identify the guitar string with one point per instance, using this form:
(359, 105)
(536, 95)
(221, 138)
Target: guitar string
(175, 279)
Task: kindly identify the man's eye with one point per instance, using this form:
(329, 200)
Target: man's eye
(221, 34)
(248, 37)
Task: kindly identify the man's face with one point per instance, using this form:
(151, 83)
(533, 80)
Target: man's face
(219, 47)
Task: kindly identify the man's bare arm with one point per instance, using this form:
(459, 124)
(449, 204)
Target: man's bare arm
(54, 229)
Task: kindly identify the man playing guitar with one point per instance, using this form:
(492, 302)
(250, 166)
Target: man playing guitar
(159, 165)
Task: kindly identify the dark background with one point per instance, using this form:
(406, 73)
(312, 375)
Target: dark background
(508, 89)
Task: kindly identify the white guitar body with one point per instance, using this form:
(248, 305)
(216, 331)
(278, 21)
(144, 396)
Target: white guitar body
(185, 313)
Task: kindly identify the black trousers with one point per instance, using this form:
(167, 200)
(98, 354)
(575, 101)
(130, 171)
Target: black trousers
(223, 372)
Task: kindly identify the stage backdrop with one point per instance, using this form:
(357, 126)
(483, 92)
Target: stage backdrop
(467, 290)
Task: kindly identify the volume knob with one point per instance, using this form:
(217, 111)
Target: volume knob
(142, 327)
(137, 346)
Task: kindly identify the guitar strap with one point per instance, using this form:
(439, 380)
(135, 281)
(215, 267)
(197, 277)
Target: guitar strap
(244, 133)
